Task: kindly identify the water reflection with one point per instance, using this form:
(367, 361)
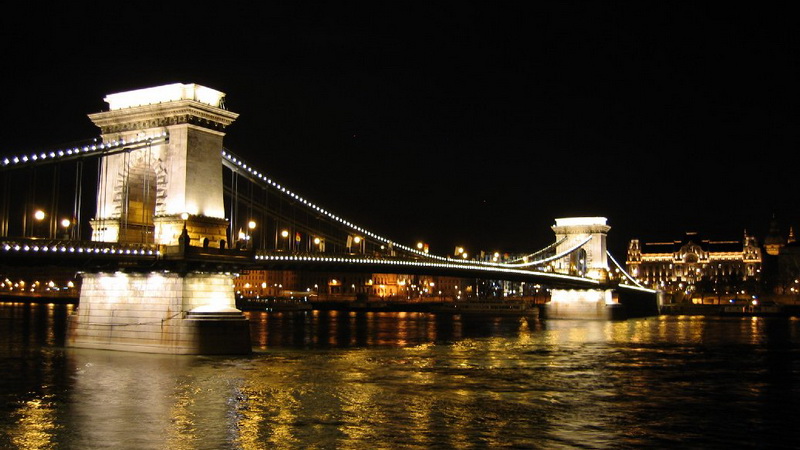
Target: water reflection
(329, 329)
(413, 380)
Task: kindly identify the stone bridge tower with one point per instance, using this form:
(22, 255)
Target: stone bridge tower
(167, 179)
(591, 261)
(172, 177)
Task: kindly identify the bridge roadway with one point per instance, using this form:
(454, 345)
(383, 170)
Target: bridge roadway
(92, 256)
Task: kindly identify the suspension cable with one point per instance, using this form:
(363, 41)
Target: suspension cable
(627, 275)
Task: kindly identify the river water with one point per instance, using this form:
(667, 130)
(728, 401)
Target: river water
(411, 380)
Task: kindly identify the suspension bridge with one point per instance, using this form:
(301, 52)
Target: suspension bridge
(159, 217)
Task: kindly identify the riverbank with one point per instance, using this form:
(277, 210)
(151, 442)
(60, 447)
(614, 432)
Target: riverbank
(779, 310)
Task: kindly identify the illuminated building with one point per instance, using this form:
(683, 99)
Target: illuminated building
(347, 285)
(696, 268)
(265, 283)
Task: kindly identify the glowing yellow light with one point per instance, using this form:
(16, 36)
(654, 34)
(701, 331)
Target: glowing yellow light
(285, 233)
(357, 239)
(251, 224)
(184, 216)
(317, 241)
(38, 215)
(65, 223)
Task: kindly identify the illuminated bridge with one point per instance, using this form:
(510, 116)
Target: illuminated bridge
(158, 216)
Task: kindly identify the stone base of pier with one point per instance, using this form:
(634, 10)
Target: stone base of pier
(159, 313)
(583, 304)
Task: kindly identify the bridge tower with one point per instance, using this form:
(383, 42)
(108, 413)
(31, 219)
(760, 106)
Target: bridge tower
(172, 179)
(591, 261)
(165, 189)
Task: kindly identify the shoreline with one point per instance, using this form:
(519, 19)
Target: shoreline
(779, 310)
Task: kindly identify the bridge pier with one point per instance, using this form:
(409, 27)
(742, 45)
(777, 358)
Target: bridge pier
(582, 304)
(159, 312)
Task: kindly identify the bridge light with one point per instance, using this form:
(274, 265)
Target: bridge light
(39, 214)
(251, 224)
(65, 223)
(285, 233)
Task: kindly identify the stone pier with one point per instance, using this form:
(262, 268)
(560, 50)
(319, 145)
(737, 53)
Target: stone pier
(159, 313)
(583, 304)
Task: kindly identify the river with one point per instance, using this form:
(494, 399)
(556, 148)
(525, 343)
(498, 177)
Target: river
(327, 379)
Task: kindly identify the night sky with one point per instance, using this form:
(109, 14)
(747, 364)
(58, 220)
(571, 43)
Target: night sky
(455, 122)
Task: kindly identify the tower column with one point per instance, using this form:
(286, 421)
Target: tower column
(170, 176)
(163, 187)
(591, 261)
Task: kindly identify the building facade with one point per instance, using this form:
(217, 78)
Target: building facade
(696, 269)
(348, 286)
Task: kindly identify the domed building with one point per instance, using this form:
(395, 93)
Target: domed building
(697, 269)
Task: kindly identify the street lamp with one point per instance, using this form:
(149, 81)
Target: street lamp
(285, 234)
(357, 242)
(251, 225)
(184, 217)
(320, 244)
(39, 216)
(65, 223)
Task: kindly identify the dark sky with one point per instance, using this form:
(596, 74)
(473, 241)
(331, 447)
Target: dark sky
(455, 122)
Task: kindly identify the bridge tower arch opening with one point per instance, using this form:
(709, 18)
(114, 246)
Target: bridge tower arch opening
(138, 197)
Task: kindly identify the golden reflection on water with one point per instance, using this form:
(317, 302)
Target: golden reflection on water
(383, 380)
(34, 424)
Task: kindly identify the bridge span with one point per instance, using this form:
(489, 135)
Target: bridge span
(175, 217)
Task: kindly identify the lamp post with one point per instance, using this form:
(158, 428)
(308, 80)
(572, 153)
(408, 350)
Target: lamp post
(251, 226)
(184, 238)
(65, 224)
(285, 235)
(39, 216)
